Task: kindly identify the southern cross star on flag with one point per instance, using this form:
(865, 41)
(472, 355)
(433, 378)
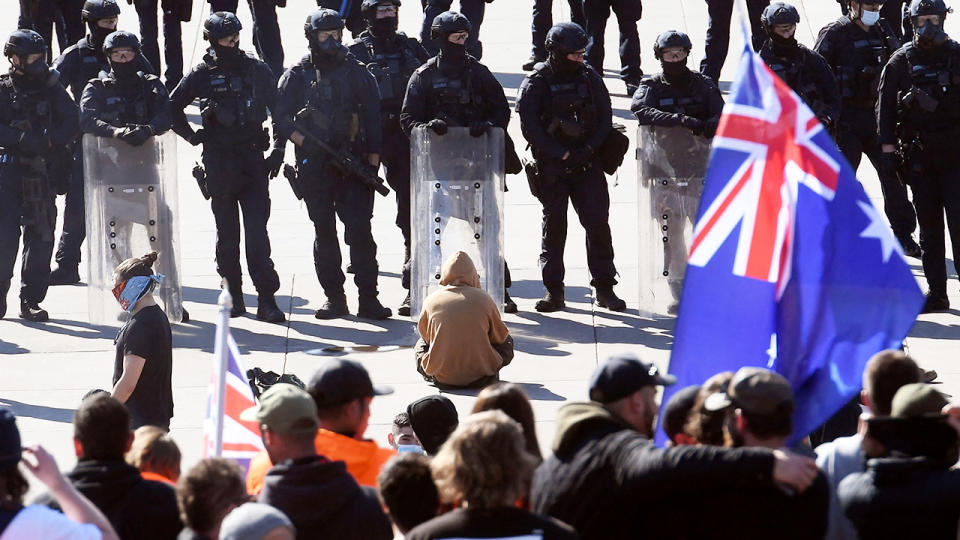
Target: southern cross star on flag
(791, 267)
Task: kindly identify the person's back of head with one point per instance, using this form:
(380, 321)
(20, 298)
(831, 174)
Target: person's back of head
(101, 429)
(13, 485)
(154, 451)
(256, 521)
(705, 426)
(759, 405)
(512, 400)
(677, 412)
(208, 492)
(433, 419)
(407, 490)
(884, 374)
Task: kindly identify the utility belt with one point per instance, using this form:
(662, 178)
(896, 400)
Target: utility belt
(259, 140)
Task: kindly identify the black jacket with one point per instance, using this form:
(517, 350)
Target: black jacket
(324, 501)
(807, 74)
(657, 102)
(903, 498)
(608, 481)
(138, 509)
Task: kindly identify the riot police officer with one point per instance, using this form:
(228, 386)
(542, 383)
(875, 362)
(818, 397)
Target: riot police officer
(542, 22)
(173, 12)
(857, 47)
(49, 16)
(330, 97)
(392, 57)
(890, 11)
(596, 13)
(473, 10)
(565, 115)
(919, 110)
(804, 71)
(266, 29)
(37, 119)
(454, 89)
(717, 42)
(235, 92)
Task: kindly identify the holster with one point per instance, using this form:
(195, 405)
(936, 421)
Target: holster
(534, 179)
(614, 148)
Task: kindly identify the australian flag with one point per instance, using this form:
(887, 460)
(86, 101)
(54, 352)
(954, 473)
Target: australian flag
(791, 267)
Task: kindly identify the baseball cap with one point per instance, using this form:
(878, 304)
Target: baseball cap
(623, 374)
(340, 381)
(754, 390)
(252, 521)
(433, 418)
(10, 449)
(285, 409)
(917, 400)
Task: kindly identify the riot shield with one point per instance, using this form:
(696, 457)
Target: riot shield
(671, 164)
(456, 193)
(131, 203)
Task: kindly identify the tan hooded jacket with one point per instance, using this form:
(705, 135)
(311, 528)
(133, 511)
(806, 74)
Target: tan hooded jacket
(461, 324)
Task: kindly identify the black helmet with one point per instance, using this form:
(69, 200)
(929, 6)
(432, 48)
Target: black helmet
(119, 40)
(565, 38)
(24, 43)
(369, 7)
(779, 13)
(220, 25)
(322, 19)
(928, 7)
(94, 10)
(447, 23)
(671, 38)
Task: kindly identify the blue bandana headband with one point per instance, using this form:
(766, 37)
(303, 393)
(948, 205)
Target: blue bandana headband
(133, 289)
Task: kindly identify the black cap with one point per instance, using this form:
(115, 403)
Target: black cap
(623, 374)
(341, 381)
(433, 418)
(10, 449)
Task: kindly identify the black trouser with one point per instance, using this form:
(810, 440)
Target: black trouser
(396, 161)
(266, 30)
(172, 45)
(329, 195)
(936, 188)
(352, 18)
(718, 33)
(591, 200)
(596, 13)
(74, 215)
(37, 234)
(237, 181)
(471, 9)
(64, 16)
(858, 136)
(543, 21)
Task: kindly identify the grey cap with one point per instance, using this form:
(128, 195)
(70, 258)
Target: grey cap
(251, 521)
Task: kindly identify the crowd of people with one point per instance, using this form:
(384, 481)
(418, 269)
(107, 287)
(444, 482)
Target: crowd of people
(726, 472)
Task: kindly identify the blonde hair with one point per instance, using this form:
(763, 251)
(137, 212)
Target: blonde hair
(484, 462)
(153, 450)
(135, 266)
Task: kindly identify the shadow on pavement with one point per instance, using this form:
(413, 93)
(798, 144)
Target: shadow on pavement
(7, 347)
(510, 80)
(54, 414)
(83, 329)
(934, 330)
(393, 332)
(533, 288)
(211, 296)
(200, 336)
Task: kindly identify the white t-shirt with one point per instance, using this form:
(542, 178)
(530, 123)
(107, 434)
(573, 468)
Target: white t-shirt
(38, 521)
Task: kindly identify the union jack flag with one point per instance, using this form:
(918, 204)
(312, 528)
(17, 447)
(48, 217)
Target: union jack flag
(791, 267)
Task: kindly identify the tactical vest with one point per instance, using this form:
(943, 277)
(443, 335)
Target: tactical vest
(936, 78)
(392, 70)
(792, 73)
(333, 112)
(26, 111)
(453, 98)
(861, 62)
(89, 66)
(569, 111)
(126, 105)
(686, 100)
(233, 102)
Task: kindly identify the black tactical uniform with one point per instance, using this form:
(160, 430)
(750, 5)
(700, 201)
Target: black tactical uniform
(266, 29)
(49, 16)
(891, 11)
(454, 89)
(473, 10)
(857, 56)
(332, 96)
(596, 13)
(392, 57)
(38, 120)
(172, 13)
(919, 110)
(235, 91)
(565, 115)
(804, 71)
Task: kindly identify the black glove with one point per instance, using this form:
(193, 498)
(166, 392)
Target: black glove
(887, 164)
(33, 143)
(199, 137)
(309, 146)
(710, 127)
(477, 129)
(138, 135)
(438, 126)
(695, 125)
(274, 161)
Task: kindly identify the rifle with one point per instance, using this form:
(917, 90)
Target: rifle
(346, 162)
(291, 174)
(201, 176)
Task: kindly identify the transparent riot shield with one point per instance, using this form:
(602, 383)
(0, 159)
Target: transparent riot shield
(131, 203)
(671, 164)
(456, 193)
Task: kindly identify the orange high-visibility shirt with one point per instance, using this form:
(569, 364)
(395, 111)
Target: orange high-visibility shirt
(147, 475)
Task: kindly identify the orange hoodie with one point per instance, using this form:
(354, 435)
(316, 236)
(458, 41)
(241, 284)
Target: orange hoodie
(147, 475)
(363, 458)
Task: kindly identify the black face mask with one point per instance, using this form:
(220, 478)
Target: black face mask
(385, 26)
(125, 71)
(783, 46)
(675, 71)
(34, 74)
(98, 34)
(564, 66)
(228, 56)
(930, 35)
(452, 54)
(328, 53)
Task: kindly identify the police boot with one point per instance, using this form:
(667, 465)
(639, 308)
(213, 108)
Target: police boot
(606, 298)
(936, 301)
(509, 306)
(4, 289)
(371, 308)
(910, 247)
(404, 309)
(30, 311)
(62, 275)
(552, 301)
(239, 309)
(267, 309)
(334, 307)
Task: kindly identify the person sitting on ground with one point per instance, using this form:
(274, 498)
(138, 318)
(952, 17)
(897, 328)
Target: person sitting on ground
(705, 426)
(401, 437)
(407, 490)
(463, 341)
(81, 520)
(512, 400)
(156, 454)
(484, 468)
(144, 359)
(884, 374)
(676, 414)
(433, 419)
(317, 494)
(137, 508)
(209, 491)
(256, 521)
(342, 392)
(913, 491)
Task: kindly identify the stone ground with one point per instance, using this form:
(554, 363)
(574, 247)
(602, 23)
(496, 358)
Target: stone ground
(48, 367)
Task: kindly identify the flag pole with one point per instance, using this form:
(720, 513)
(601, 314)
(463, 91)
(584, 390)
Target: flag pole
(225, 301)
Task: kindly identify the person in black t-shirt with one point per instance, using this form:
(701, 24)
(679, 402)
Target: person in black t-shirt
(144, 359)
